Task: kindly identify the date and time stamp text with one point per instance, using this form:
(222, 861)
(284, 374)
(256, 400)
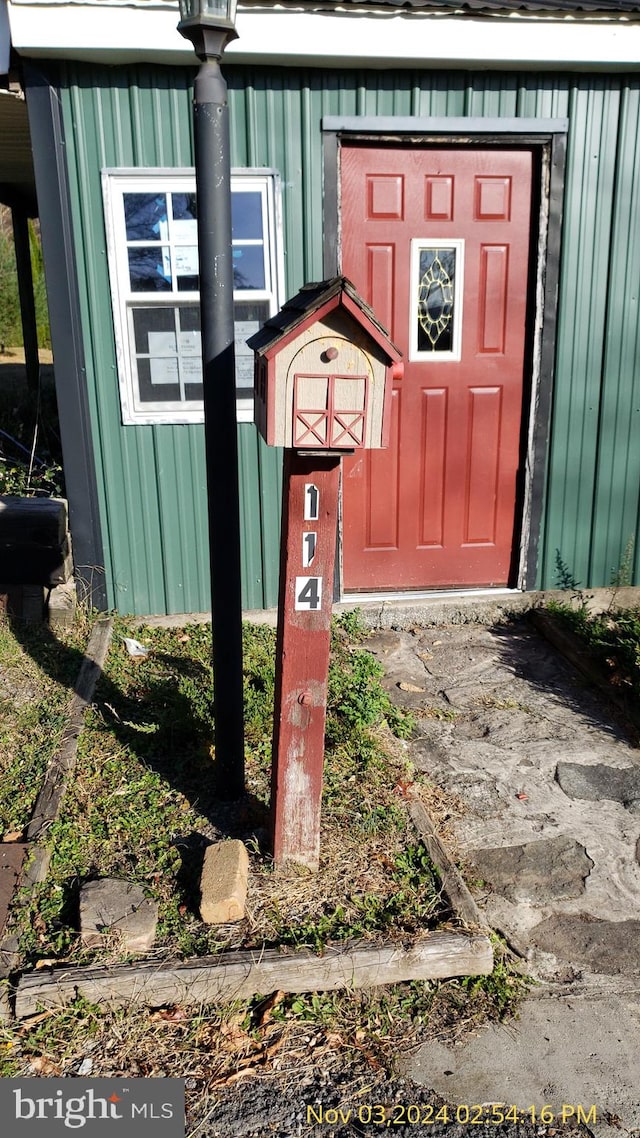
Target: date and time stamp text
(464, 1114)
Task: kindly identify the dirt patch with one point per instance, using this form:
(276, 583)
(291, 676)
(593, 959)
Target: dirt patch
(15, 356)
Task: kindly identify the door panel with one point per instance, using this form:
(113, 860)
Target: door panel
(438, 508)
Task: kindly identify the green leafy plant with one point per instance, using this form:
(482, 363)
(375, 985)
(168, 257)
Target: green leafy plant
(564, 577)
(24, 480)
(505, 986)
(355, 696)
(622, 577)
(612, 638)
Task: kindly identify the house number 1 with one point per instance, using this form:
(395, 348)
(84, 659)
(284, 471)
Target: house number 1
(311, 502)
(308, 548)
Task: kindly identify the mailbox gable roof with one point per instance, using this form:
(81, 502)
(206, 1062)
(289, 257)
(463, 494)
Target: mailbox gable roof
(313, 302)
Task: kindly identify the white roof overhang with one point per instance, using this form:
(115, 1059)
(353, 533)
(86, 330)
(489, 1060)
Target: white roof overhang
(119, 31)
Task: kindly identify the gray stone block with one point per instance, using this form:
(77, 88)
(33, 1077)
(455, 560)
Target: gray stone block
(597, 781)
(62, 605)
(116, 909)
(535, 871)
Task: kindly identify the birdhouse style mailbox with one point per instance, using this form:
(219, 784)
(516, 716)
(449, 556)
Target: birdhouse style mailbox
(324, 368)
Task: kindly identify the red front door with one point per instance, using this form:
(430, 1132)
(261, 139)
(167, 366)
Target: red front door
(437, 241)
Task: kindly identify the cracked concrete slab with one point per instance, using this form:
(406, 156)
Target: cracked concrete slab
(567, 1052)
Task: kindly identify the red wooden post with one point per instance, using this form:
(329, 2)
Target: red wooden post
(309, 521)
(324, 369)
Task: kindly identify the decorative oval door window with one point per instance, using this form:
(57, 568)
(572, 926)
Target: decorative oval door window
(436, 301)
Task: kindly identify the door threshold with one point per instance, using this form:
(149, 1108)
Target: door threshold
(428, 595)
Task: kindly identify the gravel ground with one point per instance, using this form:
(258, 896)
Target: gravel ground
(346, 1103)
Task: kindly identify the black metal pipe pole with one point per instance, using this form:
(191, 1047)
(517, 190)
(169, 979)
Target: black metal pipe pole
(213, 184)
(27, 301)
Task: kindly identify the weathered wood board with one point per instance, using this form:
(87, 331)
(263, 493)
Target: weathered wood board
(453, 884)
(12, 855)
(55, 781)
(570, 646)
(240, 975)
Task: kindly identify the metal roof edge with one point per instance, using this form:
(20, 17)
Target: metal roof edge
(433, 125)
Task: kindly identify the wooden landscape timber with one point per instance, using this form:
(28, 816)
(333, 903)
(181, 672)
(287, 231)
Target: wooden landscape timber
(57, 775)
(453, 884)
(241, 975)
(569, 645)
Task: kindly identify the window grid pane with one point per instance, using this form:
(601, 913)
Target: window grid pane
(154, 256)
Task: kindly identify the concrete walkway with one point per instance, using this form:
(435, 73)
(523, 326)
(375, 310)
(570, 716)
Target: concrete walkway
(543, 794)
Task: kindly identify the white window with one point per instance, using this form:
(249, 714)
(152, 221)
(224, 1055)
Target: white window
(153, 265)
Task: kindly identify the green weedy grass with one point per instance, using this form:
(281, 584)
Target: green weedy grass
(36, 682)
(141, 803)
(612, 638)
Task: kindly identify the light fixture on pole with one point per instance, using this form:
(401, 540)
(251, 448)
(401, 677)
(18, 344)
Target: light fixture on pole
(209, 24)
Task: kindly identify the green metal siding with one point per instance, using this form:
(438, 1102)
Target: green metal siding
(152, 485)
(617, 491)
(591, 161)
(152, 478)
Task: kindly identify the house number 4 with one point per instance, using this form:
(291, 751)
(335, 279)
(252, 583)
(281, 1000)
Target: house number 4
(308, 593)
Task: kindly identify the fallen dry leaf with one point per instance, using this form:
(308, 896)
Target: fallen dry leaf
(43, 1066)
(31, 1021)
(12, 836)
(234, 1037)
(169, 1015)
(264, 1013)
(237, 1075)
(404, 685)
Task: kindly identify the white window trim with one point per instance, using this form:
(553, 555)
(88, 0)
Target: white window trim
(120, 180)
